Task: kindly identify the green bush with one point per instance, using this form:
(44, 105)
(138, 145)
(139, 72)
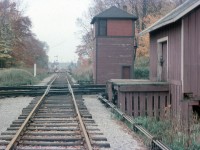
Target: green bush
(16, 77)
(142, 62)
(141, 73)
(141, 68)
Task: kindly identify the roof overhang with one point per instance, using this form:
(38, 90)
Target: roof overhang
(120, 18)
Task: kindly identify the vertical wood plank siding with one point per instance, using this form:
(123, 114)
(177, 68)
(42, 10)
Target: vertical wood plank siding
(192, 52)
(174, 51)
(140, 103)
(109, 90)
(94, 62)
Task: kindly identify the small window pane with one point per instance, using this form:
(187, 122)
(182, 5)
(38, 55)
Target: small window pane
(102, 27)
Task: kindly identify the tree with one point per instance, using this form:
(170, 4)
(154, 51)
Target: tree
(18, 45)
(6, 33)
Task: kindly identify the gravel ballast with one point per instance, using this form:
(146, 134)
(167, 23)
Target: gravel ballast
(119, 136)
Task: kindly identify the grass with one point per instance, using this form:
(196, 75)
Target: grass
(16, 77)
(173, 133)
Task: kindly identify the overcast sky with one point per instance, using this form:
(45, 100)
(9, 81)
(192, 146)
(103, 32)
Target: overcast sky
(54, 21)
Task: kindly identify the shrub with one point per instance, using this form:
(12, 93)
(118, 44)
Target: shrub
(82, 73)
(141, 68)
(142, 62)
(15, 77)
(141, 73)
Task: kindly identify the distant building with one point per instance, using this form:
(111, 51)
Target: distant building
(114, 45)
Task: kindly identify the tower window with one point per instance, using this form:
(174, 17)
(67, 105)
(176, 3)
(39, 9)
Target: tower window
(102, 27)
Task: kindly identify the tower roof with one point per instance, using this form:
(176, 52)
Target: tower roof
(113, 13)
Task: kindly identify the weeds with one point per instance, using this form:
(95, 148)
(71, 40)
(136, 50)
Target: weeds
(173, 132)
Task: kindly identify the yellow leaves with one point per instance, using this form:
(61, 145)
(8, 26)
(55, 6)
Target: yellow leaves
(5, 55)
(143, 49)
(150, 19)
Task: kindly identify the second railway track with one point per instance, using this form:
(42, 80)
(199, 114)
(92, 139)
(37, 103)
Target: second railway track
(52, 122)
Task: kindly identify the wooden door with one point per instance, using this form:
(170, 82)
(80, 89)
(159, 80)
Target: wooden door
(126, 72)
(164, 61)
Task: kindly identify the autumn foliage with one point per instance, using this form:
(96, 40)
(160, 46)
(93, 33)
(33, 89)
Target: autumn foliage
(18, 44)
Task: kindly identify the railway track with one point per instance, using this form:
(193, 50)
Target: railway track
(59, 121)
(39, 90)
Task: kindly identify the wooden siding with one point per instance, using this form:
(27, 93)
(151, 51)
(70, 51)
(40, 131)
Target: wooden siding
(119, 28)
(144, 103)
(175, 99)
(109, 89)
(173, 32)
(111, 55)
(192, 52)
(94, 63)
(143, 99)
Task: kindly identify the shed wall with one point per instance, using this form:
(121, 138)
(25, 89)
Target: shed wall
(191, 24)
(94, 62)
(173, 32)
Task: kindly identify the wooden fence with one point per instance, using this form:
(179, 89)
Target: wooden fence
(142, 98)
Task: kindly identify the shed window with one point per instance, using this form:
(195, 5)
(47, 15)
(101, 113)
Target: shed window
(103, 27)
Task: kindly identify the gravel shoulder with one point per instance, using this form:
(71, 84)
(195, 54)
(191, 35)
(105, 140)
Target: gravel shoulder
(10, 109)
(119, 136)
(46, 80)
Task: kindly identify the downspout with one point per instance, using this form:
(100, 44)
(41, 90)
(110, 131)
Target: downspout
(135, 46)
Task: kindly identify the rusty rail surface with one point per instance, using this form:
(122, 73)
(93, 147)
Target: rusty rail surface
(23, 126)
(87, 139)
(156, 144)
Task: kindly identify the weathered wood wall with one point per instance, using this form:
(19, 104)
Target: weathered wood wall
(173, 32)
(145, 99)
(191, 69)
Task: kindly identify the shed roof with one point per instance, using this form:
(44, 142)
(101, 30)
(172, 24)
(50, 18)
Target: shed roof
(174, 15)
(113, 13)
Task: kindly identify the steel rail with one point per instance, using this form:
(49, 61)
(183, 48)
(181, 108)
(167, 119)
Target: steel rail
(87, 139)
(19, 132)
